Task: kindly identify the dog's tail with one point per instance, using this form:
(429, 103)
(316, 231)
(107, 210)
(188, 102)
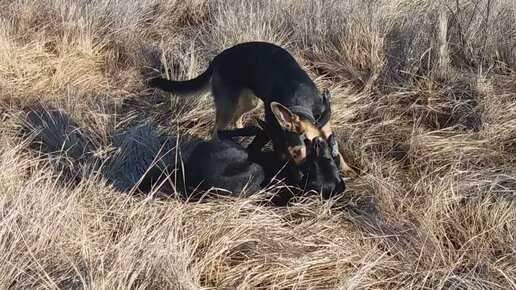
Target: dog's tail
(197, 85)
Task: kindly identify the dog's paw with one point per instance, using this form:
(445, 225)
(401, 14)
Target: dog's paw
(348, 172)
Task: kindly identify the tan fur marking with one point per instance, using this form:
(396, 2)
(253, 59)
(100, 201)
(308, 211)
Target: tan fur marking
(297, 154)
(345, 169)
(326, 130)
(298, 126)
(248, 102)
(343, 166)
(312, 132)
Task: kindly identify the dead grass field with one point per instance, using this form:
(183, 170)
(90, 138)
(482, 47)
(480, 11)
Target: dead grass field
(424, 102)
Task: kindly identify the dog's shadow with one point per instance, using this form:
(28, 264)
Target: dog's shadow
(120, 157)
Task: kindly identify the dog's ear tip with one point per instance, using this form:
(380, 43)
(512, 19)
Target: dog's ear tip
(326, 94)
(278, 108)
(282, 113)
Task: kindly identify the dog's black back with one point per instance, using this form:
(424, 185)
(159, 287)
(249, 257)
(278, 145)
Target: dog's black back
(223, 167)
(223, 164)
(272, 74)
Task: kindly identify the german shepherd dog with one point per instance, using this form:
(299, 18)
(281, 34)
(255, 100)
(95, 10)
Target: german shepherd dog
(243, 74)
(229, 166)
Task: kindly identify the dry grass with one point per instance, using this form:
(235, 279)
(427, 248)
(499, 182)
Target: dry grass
(424, 96)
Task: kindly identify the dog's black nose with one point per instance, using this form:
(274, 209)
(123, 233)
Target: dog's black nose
(327, 194)
(312, 186)
(331, 191)
(342, 187)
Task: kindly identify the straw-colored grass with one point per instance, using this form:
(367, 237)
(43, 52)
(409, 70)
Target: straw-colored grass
(424, 102)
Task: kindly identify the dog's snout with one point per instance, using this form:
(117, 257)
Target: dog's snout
(331, 191)
(312, 186)
(341, 187)
(318, 141)
(318, 144)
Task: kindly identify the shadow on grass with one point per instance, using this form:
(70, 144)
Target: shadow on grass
(121, 157)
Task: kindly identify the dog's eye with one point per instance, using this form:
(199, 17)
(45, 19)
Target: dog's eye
(296, 152)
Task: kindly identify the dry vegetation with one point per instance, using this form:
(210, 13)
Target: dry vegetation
(424, 101)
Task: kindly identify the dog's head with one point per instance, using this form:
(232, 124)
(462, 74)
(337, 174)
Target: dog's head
(320, 172)
(300, 125)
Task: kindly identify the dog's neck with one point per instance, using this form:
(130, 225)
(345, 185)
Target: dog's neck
(303, 112)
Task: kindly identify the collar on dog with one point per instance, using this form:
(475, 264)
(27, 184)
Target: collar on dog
(303, 112)
(307, 114)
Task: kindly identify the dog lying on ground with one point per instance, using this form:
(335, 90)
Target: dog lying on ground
(295, 109)
(245, 171)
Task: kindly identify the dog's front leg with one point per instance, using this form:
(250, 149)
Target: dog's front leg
(239, 132)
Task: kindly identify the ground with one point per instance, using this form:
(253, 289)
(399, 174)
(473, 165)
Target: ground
(423, 101)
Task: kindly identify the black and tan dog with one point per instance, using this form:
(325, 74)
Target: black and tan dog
(243, 171)
(242, 75)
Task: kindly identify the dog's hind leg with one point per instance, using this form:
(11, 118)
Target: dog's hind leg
(226, 103)
(224, 115)
(248, 102)
(239, 132)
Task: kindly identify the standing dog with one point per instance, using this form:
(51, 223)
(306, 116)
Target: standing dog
(295, 109)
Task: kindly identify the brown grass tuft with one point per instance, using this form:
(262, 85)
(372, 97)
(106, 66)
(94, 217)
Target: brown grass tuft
(424, 103)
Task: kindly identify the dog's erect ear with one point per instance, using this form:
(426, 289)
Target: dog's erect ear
(334, 148)
(287, 120)
(326, 95)
(325, 116)
(284, 116)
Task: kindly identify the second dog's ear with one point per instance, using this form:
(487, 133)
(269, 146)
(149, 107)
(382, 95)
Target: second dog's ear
(326, 95)
(334, 148)
(286, 119)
